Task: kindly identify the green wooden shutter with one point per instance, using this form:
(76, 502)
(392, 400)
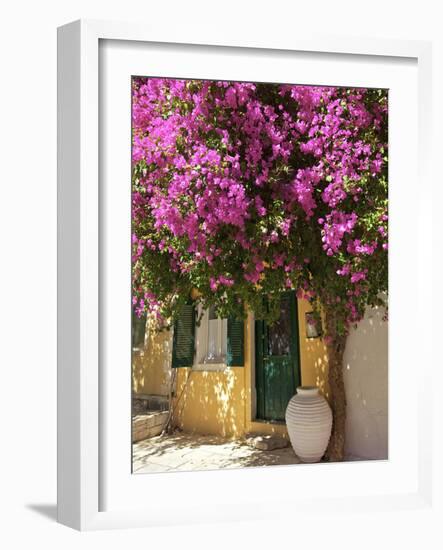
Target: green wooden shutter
(184, 336)
(236, 337)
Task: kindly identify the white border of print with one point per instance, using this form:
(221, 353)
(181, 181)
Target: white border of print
(95, 487)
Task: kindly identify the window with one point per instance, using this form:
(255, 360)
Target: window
(212, 339)
(212, 345)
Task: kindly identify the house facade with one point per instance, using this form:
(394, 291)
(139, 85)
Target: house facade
(231, 378)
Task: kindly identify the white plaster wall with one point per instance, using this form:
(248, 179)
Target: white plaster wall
(366, 383)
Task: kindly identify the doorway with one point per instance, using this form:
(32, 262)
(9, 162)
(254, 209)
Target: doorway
(277, 361)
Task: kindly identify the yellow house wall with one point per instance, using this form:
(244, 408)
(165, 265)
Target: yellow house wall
(211, 402)
(313, 354)
(221, 402)
(151, 365)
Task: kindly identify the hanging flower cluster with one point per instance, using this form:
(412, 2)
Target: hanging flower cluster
(241, 190)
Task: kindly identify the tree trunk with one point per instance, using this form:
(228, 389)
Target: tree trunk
(336, 347)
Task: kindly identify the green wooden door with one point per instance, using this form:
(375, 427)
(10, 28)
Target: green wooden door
(277, 362)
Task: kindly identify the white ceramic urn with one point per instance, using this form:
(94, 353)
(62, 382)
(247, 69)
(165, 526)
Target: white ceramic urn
(309, 423)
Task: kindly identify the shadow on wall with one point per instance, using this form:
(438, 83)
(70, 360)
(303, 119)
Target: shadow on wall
(211, 402)
(151, 372)
(318, 373)
(366, 383)
(313, 354)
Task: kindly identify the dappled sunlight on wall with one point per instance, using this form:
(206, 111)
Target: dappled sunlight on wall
(211, 402)
(151, 365)
(313, 354)
(366, 382)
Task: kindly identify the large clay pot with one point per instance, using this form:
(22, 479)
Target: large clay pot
(309, 423)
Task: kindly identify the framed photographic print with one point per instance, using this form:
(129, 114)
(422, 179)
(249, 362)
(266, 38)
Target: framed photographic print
(232, 320)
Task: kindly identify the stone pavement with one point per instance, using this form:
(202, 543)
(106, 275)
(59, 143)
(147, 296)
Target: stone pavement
(183, 452)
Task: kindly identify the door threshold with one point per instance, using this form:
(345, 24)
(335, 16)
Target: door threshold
(273, 422)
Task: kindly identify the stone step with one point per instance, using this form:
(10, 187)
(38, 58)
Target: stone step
(266, 442)
(148, 425)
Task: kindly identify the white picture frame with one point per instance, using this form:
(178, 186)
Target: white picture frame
(82, 407)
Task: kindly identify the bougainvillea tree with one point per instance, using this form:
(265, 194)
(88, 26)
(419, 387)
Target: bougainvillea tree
(244, 190)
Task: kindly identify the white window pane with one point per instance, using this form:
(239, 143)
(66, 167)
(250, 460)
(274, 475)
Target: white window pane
(213, 339)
